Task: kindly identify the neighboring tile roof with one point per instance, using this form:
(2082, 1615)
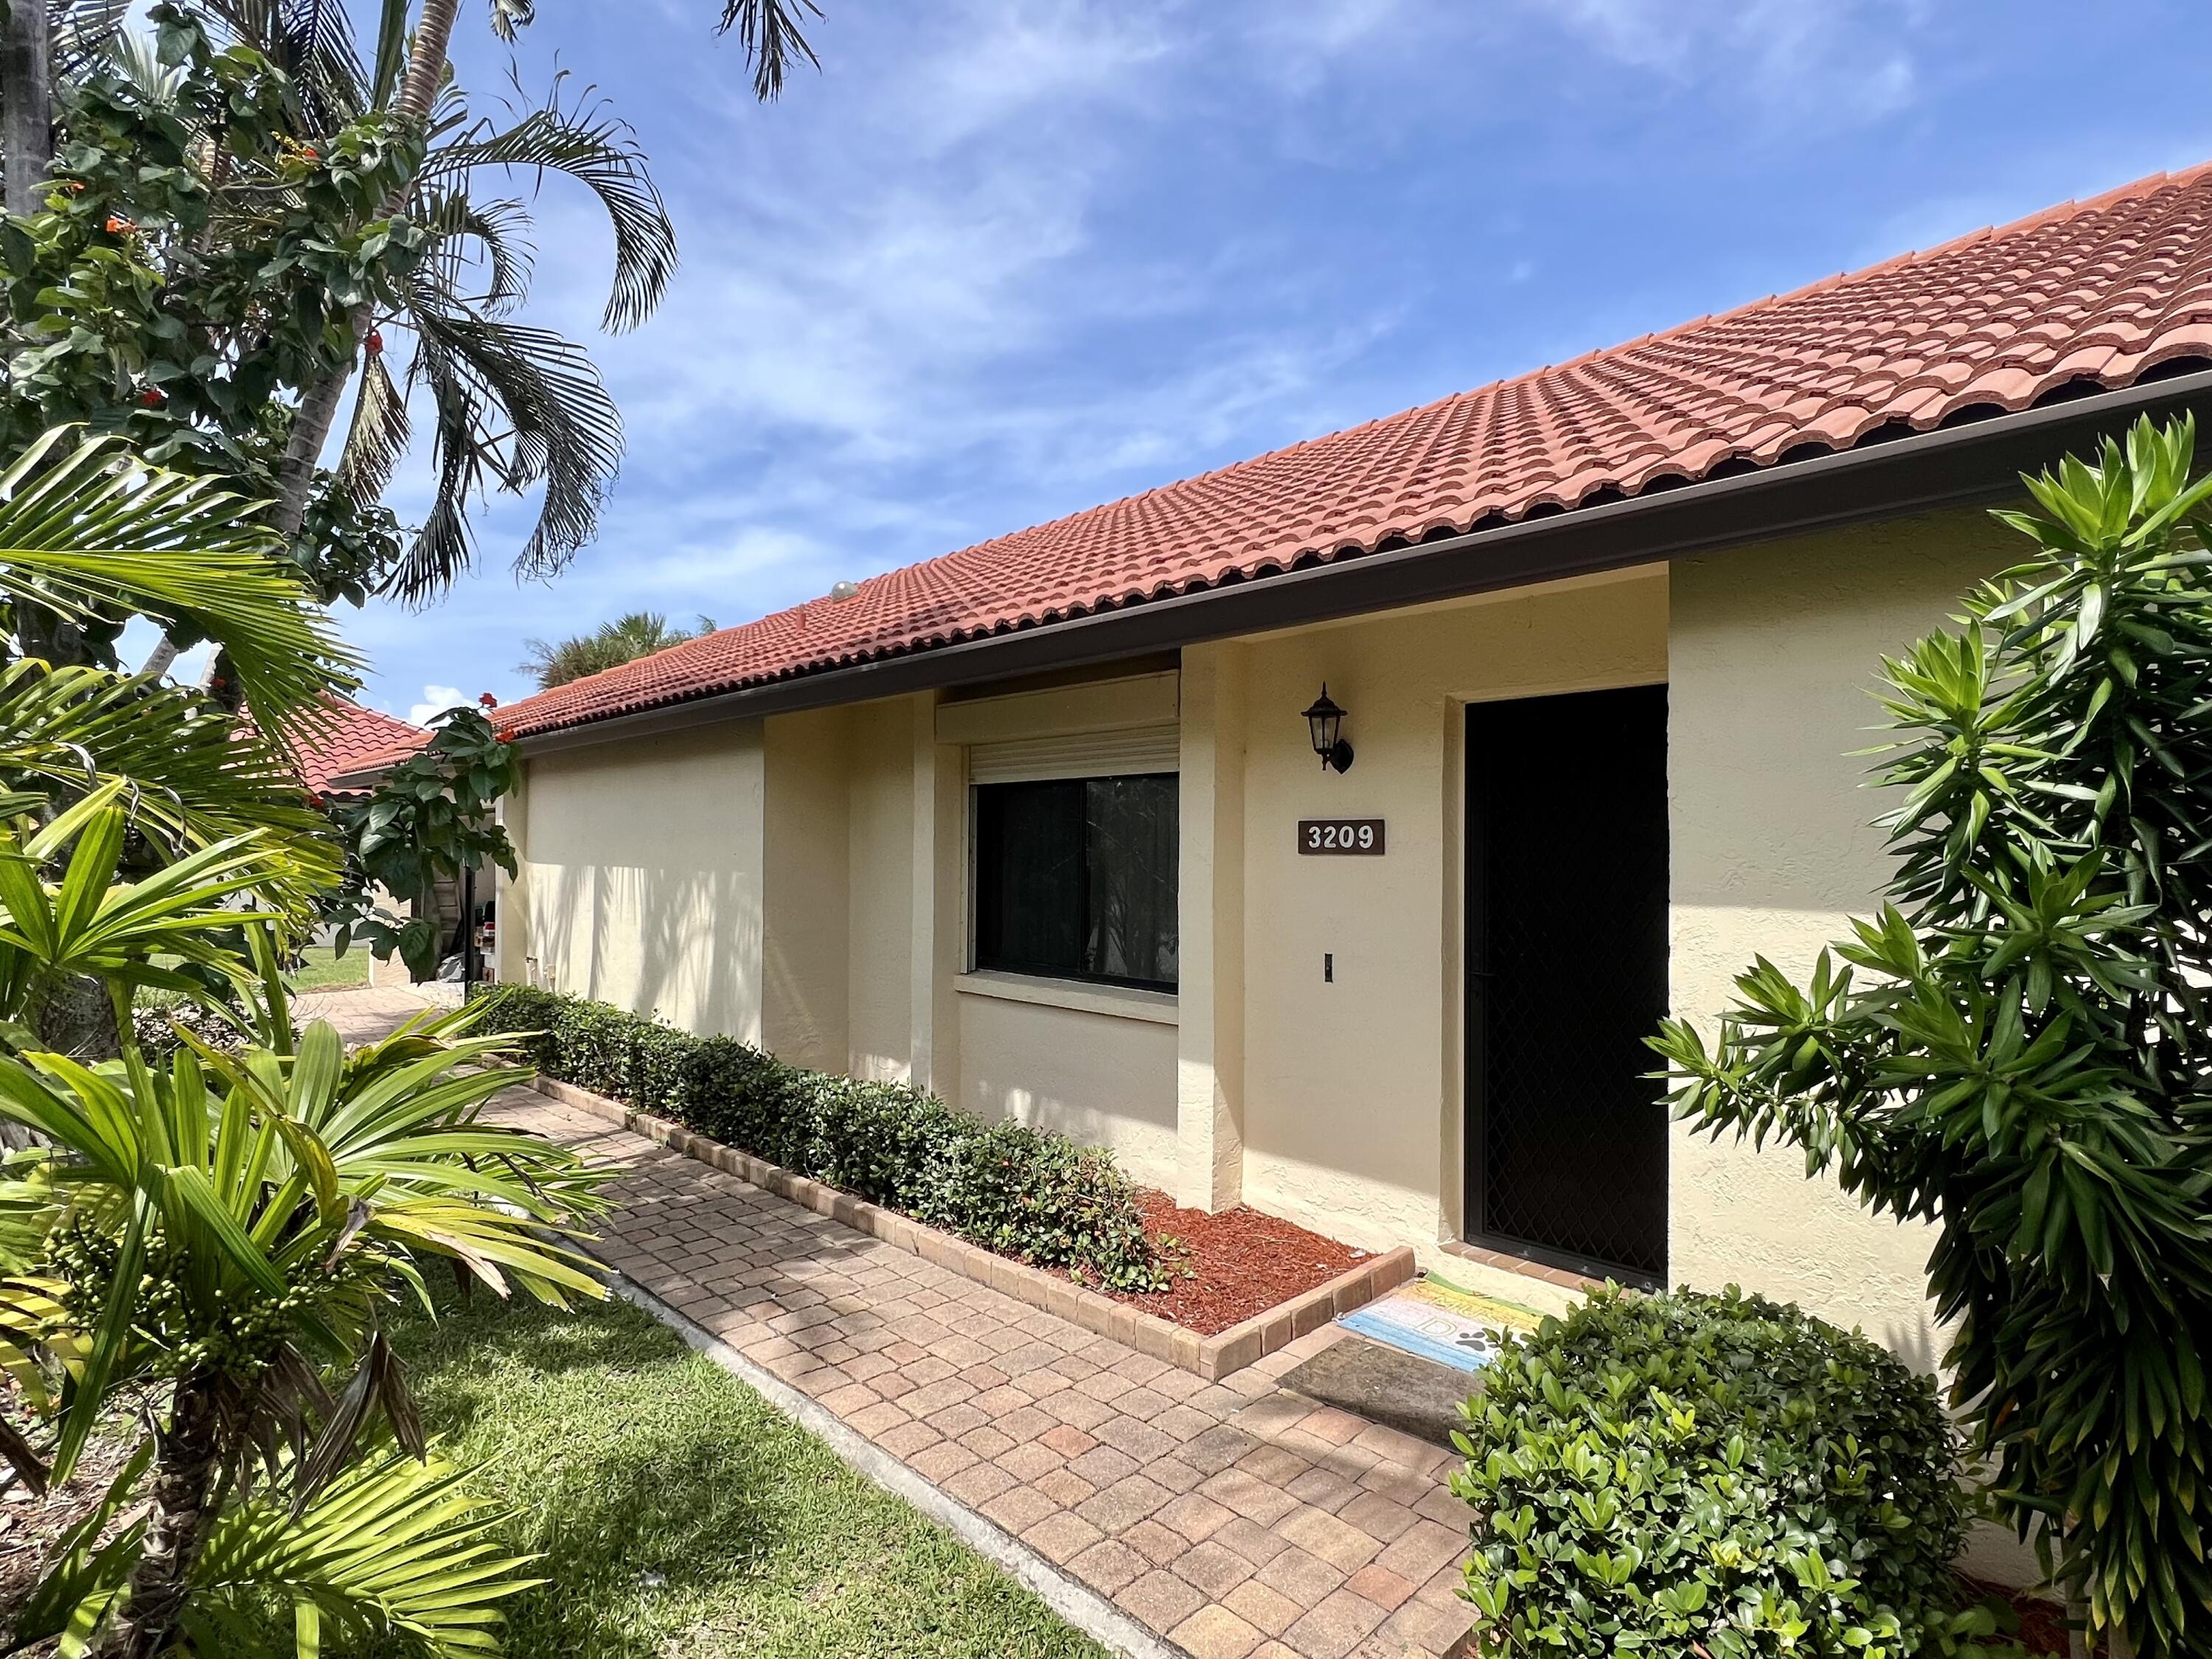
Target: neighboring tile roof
(349, 739)
(2098, 291)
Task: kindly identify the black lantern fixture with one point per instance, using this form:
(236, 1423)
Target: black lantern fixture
(1326, 722)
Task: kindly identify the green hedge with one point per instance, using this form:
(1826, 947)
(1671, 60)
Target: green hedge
(1037, 1197)
(1671, 1474)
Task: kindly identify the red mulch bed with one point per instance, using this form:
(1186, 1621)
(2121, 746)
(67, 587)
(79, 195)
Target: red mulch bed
(2042, 1623)
(1235, 1264)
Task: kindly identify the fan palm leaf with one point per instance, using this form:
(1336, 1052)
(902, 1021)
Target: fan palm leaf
(135, 934)
(393, 1547)
(191, 773)
(91, 529)
(262, 1172)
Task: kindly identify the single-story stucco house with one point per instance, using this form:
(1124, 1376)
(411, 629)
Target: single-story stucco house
(1052, 826)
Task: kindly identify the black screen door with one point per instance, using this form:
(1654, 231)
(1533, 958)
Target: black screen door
(1566, 976)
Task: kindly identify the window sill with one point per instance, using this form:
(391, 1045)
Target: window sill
(1116, 1001)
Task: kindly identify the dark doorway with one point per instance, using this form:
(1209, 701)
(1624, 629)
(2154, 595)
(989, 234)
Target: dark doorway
(1566, 976)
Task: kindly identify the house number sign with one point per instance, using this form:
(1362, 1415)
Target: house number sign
(1353, 835)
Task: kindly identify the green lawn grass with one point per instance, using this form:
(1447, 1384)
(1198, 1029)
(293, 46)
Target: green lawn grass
(322, 969)
(679, 1515)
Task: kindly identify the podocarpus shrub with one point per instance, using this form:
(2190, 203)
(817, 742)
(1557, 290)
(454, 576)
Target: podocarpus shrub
(1692, 1473)
(1023, 1192)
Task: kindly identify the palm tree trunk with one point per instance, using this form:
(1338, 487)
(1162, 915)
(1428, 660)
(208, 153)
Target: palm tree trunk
(73, 1015)
(318, 409)
(185, 1472)
(27, 106)
(426, 60)
(311, 431)
(159, 660)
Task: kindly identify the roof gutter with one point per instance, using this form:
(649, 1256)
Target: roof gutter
(1978, 462)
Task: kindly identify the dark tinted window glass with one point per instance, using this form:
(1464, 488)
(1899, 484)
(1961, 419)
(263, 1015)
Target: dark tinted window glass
(1029, 860)
(1075, 877)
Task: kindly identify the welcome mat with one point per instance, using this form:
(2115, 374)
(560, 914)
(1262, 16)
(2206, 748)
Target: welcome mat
(1387, 1386)
(1440, 1322)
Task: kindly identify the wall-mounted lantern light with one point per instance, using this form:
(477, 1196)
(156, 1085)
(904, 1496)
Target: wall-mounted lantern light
(1326, 722)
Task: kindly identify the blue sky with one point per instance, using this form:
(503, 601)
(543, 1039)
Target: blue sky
(1004, 260)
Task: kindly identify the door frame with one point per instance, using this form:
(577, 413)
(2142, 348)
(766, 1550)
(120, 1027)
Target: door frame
(1472, 1229)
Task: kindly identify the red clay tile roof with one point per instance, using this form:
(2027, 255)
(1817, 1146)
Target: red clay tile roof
(349, 739)
(2097, 291)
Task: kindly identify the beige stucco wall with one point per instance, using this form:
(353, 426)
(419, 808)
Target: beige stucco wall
(1103, 1078)
(1774, 654)
(807, 884)
(879, 914)
(1352, 1096)
(642, 884)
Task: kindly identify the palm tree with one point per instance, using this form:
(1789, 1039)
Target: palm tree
(225, 1234)
(610, 645)
(215, 1240)
(514, 406)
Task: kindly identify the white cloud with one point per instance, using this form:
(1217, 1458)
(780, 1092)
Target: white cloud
(436, 700)
(1302, 44)
(1813, 62)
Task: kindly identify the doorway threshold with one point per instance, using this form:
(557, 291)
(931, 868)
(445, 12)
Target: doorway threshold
(1522, 1266)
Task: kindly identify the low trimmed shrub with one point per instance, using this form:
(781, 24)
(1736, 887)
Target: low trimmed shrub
(1021, 1192)
(1691, 1473)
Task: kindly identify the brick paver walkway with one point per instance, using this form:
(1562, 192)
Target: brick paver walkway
(1239, 1520)
(1235, 1518)
(360, 1014)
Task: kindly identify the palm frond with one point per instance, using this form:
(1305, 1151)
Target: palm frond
(191, 773)
(510, 15)
(769, 31)
(462, 445)
(82, 33)
(492, 237)
(525, 406)
(625, 639)
(601, 152)
(85, 1577)
(393, 1547)
(376, 439)
(312, 41)
(137, 61)
(130, 933)
(389, 54)
(95, 531)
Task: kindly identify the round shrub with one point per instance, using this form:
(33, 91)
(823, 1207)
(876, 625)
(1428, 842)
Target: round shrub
(1040, 1197)
(1683, 1473)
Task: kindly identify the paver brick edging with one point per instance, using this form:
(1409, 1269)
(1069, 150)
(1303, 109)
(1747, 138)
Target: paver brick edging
(1211, 1358)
